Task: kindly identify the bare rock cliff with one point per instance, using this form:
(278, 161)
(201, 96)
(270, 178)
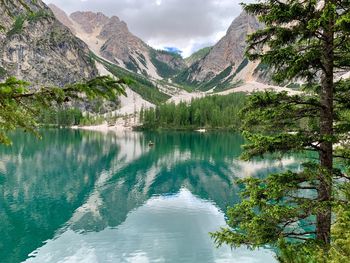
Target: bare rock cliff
(228, 52)
(36, 47)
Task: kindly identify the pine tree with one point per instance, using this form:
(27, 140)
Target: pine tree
(307, 41)
(21, 107)
(141, 115)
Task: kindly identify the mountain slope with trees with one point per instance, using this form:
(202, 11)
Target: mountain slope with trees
(225, 60)
(198, 55)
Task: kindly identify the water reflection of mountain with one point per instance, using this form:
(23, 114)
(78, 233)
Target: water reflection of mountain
(43, 182)
(205, 164)
(171, 228)
(89, 181)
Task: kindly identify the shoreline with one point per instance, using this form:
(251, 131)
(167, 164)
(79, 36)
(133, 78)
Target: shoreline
(103, 128)
(120, 128)
(183, 96)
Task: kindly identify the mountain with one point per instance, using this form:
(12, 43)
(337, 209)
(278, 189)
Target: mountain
(163, 75)
(225, 60)
(198, 55)
(110, 38)
(217, 68)
(36, 47)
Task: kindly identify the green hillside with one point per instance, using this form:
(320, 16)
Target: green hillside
(141, 85)
(197, 55)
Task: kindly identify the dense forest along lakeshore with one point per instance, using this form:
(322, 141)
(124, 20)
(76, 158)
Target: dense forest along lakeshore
(88, 196)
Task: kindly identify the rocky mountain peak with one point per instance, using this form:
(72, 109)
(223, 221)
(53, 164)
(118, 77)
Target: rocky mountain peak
(115, 27)
(115, 19)
(244, 22)
(227, 55)
(230, 49)
(61, 16)
(89, 21)
(110, 38)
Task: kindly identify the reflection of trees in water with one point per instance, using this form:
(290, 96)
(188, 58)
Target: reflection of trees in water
(91, 180)
(44, 182)
(206, 165)
(201, 145)
(178, 160)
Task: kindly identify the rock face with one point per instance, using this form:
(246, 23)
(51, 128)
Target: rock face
(36, 47)
(227, 55)
(111, 39)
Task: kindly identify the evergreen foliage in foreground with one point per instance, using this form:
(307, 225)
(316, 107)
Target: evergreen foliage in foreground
(20, 107)
(307, 40)
(213, 112)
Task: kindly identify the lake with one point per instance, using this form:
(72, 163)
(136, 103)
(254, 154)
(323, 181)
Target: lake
(79, 196)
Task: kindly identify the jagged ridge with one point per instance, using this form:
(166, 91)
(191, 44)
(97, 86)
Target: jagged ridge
(110, 38)
(220, 67)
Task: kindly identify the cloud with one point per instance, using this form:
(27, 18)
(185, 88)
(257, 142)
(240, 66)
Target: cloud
(185, 24)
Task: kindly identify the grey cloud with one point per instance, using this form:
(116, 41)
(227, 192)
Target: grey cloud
(170, 22)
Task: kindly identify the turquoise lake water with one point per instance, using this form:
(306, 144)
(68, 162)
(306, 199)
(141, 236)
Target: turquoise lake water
(78, 196)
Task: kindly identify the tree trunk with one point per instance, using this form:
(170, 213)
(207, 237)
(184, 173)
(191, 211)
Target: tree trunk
(323, 217)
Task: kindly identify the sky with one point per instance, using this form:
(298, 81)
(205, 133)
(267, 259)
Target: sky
(186, 25)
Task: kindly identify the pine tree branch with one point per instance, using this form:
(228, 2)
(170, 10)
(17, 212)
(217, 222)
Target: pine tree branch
(341, 157)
